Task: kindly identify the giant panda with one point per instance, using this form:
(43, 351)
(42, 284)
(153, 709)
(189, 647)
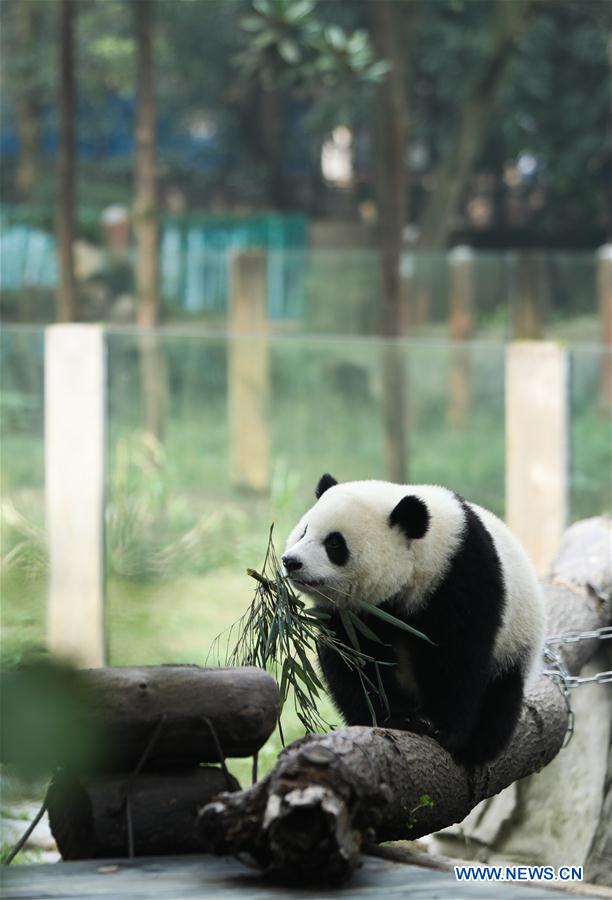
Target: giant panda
(447, 567)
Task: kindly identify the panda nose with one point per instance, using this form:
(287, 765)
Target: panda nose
(291, 563)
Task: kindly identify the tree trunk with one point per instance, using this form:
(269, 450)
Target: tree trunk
(528, 300)
(391, 174)
(437, 217)
(67, 292)
(330, 796)
(146, 225)
(89, 820)
(461, 328)
(27, 112)
(392, 188)
(272, 124)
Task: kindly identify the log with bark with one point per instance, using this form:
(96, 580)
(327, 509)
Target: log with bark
(179, 713)
(329, 797)
(89, 819)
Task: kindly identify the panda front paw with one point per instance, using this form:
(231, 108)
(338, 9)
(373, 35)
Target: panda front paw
(448, 741)
(413, 723)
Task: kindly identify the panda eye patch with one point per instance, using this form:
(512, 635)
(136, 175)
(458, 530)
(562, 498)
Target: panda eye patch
(336, 548)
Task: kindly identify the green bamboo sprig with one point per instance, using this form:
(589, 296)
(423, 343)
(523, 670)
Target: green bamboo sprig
(279, 633)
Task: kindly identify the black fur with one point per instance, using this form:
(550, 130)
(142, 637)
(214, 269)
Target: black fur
(412, 516)
(459, 699)
(325, 482)
(291, 564)
(336, 548)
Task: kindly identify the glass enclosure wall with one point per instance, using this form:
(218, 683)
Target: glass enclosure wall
(310, 289)
(235, 439)
(590, 431)
(23, 545)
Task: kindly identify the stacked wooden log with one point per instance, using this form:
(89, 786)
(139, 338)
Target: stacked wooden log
(163, 728)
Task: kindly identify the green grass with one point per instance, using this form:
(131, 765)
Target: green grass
(25, 857)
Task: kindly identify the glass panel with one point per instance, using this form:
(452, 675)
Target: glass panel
(312, 287)
(183, 524)
(591, 432)
(23, 569)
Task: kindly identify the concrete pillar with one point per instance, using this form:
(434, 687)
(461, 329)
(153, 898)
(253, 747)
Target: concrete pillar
(537, 447)
(75, 445)
(248, 372)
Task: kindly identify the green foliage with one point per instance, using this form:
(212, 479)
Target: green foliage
(24, 545)
(29, 857)
(287, 44)
(152, 532)
(279, 633)
(43, 719)
(554, 102)
(424, 802)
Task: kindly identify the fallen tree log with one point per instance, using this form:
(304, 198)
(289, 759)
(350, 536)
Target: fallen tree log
(330, 796)
(89, 819)
(179, 712)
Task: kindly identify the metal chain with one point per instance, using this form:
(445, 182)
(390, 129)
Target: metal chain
(571, 637)
(559, 674)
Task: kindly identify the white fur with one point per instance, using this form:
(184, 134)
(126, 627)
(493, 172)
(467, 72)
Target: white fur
(382, 563)
(524, 614)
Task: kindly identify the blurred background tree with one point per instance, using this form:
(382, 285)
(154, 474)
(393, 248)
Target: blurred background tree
(537, 163)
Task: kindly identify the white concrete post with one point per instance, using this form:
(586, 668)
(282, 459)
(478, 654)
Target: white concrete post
(249, 372)
(75, 414)
(537, 447)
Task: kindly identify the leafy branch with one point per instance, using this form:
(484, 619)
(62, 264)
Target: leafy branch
(287, 43)
(279, 633)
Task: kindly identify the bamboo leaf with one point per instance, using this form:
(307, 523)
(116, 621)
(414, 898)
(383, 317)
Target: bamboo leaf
(392, 620)
(309, 668)
(381, 689)
(367, 699)
(365, 631)
(348, 627)
(301, 674)
(284, 685)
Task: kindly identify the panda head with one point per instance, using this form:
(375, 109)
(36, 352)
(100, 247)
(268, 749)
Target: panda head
(357, 542)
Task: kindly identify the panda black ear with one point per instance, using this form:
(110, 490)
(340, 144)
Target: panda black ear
(412, 516)
(325, 482)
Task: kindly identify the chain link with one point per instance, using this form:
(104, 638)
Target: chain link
(571, 637)
(560, 675)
